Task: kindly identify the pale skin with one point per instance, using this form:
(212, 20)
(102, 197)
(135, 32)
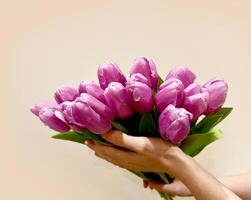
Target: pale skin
(146, 154)
(240, 185)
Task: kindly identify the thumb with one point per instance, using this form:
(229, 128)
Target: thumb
(121, 139)
(174, 188)
(163, 187)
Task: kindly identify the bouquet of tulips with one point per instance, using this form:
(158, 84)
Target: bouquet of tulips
(178, 109)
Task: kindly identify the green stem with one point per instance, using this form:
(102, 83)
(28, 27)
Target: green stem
(165, 195)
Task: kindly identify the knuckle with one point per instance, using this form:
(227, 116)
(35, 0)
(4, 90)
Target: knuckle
(113, 135)
(109, 136)
(107, 152)
(144, 145)
(125, 163)
(104, 149)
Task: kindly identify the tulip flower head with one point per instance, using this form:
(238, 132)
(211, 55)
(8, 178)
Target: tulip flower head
(184, 74)
(90, 87)
(196, 100)
(66, 93)
(116, 98)
(66, 109)
(217, 89)
(140, 97)
(91, 113)
(174, 124)
(137, 77)
(42, 105)
(147, 68)
(171, 92)
(54, 119)
(110, 72)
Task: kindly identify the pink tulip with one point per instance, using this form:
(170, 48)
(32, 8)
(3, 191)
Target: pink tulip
(184, 74)
(147, 68)
(36, 109)
(93, 89)
(54, 119)
(66, 109)
(217, 89)
(66, 93)
(196, 99)
(139, 78)
(174, 124)
(91, 113)
(116, 98)
(171, 91)
(110, 72)
(140, 96)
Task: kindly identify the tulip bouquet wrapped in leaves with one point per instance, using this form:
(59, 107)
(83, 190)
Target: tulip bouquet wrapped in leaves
(178, 109)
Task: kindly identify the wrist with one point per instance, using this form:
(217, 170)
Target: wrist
(196, 178)
(178, 163)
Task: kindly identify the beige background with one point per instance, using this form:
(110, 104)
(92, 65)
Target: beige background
(44, 44)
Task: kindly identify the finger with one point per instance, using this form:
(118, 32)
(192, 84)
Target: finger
(99, 152)
(138, 144)
(118, 163)
(90, 144)
(121, 158)
(117, 154)
(145, 183)
(162, 187)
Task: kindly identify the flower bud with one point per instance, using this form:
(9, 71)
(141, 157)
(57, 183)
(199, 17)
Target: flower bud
(39, 106)
(91, 113)
(171, 91)
(184, 74)
(54, 119)
(196, 99)
(140, 97)
(147, 68)
(93, 89)
(66, 109)
(110, 72)
(174, 124)
(217, 89)
(139, 78)
(66, 93)
(116, 98)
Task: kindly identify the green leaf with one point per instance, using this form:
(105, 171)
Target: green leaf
(160, 81)
(119, 126)
(80, 137)
(210, 121)
(194, 144)
(146, 125)
(163, 177)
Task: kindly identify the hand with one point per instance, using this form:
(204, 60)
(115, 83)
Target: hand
(146, 154)
(176, 188)
(139, 153)
(239, 184)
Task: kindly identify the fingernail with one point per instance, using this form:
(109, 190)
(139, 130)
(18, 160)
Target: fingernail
(87, 142)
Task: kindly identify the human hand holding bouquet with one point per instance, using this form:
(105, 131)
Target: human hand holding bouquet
(144, 109)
